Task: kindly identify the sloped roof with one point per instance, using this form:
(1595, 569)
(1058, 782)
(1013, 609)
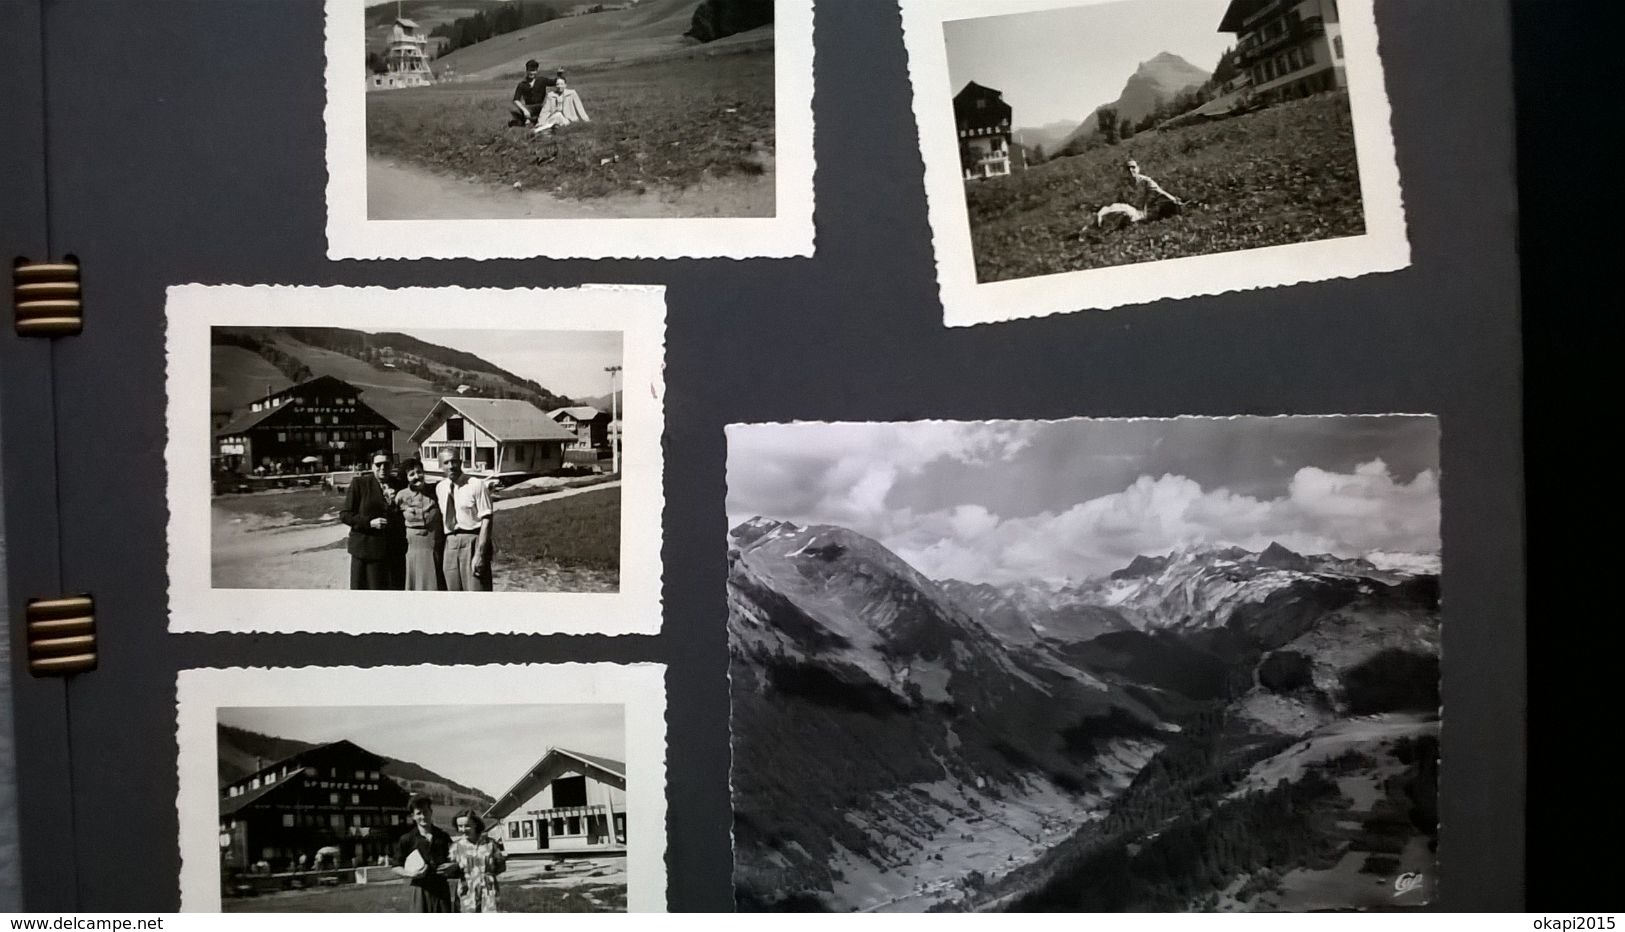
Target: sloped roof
(502, 418)
(1237, 13)
(579, 412)
(514, 795)
(247, 417)
(244, 420)
(973, 89)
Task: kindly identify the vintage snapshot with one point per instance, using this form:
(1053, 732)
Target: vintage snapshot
(420, 459)
(1182, 664)
(1095, 153)
(556, 128)
(423, 789)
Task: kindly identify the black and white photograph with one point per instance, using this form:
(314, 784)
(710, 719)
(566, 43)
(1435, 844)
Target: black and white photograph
(1186, 664)
(376, 456)
(420, 790)
(1106, 152)
(684, 124)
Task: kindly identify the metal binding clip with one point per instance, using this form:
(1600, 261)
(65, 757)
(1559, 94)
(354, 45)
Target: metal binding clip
(61, 635)
(46, 298)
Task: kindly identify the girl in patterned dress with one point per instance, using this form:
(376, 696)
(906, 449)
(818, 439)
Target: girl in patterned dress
(480, 859)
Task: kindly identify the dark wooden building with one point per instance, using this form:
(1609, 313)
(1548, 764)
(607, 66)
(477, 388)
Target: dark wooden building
(320, 425)
(329, 796)
(983, 120)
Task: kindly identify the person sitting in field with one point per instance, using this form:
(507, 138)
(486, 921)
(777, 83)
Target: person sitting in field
(561, 107)
(1148, 196)
(530, 95)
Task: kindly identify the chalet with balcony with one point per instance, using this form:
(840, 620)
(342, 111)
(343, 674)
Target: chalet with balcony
(319, 425)
(1287, 48)
(326, 798)
(495, 438)
(567, 802)
(406, 58)
(983, 121)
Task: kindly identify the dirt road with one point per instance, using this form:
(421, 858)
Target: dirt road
(397, 191)
(252, 552)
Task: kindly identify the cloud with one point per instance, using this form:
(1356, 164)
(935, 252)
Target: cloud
(844, 473)
(1348, 514)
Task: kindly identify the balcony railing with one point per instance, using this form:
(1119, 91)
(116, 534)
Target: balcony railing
(1297, 32)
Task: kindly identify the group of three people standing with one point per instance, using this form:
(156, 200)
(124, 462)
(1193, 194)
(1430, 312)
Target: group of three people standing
(406, 533)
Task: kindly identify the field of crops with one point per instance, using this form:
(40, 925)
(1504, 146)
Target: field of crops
(657, 125)
(1287, 174)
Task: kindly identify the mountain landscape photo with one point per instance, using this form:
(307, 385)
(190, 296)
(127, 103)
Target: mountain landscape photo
(1063, 676)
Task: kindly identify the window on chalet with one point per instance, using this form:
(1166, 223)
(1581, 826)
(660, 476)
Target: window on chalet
(287, 820)
(281, 436)
(332, 799)
(569, 791)
(454, 428)
(1337, 45)
(355, 799)
(513, 829)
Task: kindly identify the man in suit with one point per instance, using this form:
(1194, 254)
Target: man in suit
(367, 507)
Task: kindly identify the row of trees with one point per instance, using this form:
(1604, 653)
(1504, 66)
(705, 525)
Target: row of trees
(504, 18)
(295, 370)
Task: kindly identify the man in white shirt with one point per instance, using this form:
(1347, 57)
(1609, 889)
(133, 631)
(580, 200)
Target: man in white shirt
(466, 504)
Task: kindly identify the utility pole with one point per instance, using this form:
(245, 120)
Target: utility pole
(614, 420)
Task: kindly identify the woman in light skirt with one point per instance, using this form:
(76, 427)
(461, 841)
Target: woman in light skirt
(424, 529)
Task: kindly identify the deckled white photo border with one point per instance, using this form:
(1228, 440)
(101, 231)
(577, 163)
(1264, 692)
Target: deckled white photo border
(1384, 246)
(638, 311)
(351, 235)
(639, 687)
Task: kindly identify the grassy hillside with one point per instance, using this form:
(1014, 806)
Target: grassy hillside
(1287, 174)
(657, 125)
(242, 752)
(238, 375)
(653, 27)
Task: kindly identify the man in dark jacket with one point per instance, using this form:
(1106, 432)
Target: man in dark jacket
(367, 506)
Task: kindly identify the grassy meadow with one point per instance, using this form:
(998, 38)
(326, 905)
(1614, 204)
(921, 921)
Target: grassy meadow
(656, 125)
(1286, 174)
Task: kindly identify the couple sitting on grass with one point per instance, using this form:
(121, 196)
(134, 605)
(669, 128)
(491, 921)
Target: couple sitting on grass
(545, 103)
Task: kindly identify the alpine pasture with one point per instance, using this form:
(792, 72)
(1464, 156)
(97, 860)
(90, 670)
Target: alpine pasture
(1285, 174)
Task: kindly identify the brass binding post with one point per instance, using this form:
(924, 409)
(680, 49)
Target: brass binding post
(46, 298)
(61, 635)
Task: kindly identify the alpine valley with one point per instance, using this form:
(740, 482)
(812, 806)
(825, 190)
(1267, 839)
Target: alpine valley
(1207, 729)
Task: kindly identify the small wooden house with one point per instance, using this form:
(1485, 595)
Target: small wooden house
(566, 802)
(493, 437)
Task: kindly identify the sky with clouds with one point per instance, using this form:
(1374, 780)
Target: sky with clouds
(566, 362)
(997, 501)
(1061, 64)
(487, 747)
